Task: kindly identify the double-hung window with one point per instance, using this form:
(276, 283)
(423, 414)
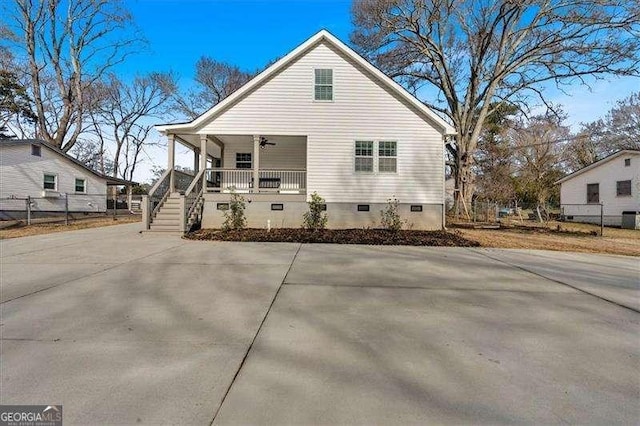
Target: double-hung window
(81, 185)
(623, 188)
(364, 156)
(323, 90)
(376, 156)
(243, 160)
(50, 182)
(387, 157)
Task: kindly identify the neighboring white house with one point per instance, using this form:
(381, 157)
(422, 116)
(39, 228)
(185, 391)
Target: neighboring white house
(49, 177)
(322, 119)
(613, 182)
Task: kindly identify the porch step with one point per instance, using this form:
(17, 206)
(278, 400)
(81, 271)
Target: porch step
(166, 221)
(167, 228)
(168, 212)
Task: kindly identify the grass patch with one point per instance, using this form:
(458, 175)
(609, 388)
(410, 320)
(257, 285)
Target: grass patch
(338, 236)
(559, 236)
(21, 229)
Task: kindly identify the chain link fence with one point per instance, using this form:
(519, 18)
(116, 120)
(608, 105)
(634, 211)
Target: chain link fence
(66, 207)
(583, 213)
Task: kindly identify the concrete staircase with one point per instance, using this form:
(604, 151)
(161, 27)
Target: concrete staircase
(170, 216)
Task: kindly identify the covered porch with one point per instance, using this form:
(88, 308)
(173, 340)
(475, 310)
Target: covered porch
(243, 163)
(260, 165)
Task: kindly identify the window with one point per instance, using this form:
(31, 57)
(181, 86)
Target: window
(81, 185)
(593, 193)
(416, 208)
(243, 160)
(50, 182)
(627, 162)
(363, 207)
(277, 206)
(385, 152)
(222, 206)
(36, 150)
(623, 188)
(324, 85)
(386, 157)
(364, 156)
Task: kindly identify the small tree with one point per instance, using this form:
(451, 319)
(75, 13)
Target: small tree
(315, 219)
(234, 218)
(391, 220)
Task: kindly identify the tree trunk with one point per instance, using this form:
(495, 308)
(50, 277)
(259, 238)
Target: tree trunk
(463, 175)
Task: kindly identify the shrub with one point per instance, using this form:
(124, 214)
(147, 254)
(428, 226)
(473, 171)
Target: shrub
(391, 220)
(315, 219)
(234, 218)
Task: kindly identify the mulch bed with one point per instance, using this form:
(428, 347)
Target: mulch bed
(338, 236)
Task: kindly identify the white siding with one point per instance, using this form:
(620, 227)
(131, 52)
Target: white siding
(21, 175)
(574, 190)
(362, 110)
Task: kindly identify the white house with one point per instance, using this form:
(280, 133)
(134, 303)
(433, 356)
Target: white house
(49, 178)
(613, 182)
(321, 119)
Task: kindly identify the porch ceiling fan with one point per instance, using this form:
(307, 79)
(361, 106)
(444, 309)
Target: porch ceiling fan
(264, 142)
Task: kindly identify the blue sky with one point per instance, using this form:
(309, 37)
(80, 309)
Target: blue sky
(245, 33)
(249, 33)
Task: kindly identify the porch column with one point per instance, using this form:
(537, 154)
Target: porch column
(203, 152)
(196, 161)
(172, 162)
(256, 163)
(203, 160)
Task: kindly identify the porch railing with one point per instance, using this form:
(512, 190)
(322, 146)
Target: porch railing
(242, 181)
(159, 192)
(193, 201)
(182, 180)
(157, 195)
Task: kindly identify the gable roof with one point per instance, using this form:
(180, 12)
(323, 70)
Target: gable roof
(110, 180)
(323, 35)
(599, 163)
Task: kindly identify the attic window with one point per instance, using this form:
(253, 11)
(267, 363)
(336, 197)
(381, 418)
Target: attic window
(323, 85)
(627, 162)
(35, 150)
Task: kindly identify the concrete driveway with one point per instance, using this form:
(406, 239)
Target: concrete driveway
(126, 328)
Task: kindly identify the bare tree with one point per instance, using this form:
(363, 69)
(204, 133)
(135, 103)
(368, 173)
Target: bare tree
(537, 145)
(92, 154)
(215, 81)
(122, 119)
(68, 46)
(478, 53)
(618, 130)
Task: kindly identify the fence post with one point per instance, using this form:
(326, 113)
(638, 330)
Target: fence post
(144, 205)
(601, 220)
(66, 208)
(28, 209)
(475, 209)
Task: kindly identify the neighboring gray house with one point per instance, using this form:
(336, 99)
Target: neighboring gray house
(613, 182)
(321, 119)
(32, 168)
